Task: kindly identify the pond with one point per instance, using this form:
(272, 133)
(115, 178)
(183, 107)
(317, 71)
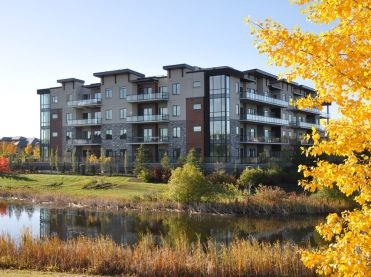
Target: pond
(127, 227)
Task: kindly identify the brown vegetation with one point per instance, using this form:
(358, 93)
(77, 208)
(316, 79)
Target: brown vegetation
(102, 256)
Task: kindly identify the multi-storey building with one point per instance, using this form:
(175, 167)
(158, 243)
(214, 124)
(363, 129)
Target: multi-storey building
(227, 115)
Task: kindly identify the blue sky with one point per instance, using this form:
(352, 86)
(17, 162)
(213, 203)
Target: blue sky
(45, 40)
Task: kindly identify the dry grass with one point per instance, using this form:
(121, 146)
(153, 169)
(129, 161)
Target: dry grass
(102, 256)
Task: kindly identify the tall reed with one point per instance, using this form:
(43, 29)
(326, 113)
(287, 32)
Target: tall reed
(150, 258)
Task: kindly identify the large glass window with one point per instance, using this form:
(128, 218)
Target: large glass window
(122, 113)
(45, 118)
(219, 117)
(122, 92)
(176, 88)
(45, 101)
(108, 114)
(176, 132)
(108, 93)
(176, 110)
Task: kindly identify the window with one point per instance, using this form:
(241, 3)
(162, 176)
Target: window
(197, 106)
(237, 109)
(122, 92)
(176, 132)
(196, 84)
(68, 116)
(108, 134)
(176, 88)
(55, 134)
(147, 135)
(54, 99)
(237, 87)
(108, 114)
(176, 110)
(108, 93)
(55, 116)
(163, 134)
(109, 153)
(237, 130)
(122, 113)
(123, 134)
(196, 129)
(69, 97)
(68, 135)
(176, 153)
(163, 89)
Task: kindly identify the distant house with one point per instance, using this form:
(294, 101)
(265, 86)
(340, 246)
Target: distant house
(21, 142)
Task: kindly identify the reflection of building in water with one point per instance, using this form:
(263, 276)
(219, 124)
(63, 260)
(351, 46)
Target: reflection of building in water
(70, 223)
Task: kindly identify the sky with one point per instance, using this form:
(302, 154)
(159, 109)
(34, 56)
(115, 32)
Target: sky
(46, 40)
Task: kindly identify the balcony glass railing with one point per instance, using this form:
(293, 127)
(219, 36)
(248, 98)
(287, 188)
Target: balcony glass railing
(264, 119)
(80, 122)
(306, 125)
(263, 99)
(147, 97)
(84, 141)
(163, 139)
(85, 102)
(147, 118)
(248, 139)
(309, 110)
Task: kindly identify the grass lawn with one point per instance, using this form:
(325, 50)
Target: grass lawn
(114, 188)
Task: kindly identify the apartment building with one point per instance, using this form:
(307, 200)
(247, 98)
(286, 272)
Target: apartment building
(227, 115)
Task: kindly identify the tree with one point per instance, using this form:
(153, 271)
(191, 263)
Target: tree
(4, 164)
(165, 168)
(140, 159)
(192, 158)
(337, 60)
(188, 184)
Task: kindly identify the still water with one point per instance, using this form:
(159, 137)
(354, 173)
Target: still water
(127, 227)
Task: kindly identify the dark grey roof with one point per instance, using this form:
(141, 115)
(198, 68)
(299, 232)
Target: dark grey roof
(221, 70)
(178, 66)
(259, 72)
(43, 91)
(117, 72)
(95, 85)
(67, 80)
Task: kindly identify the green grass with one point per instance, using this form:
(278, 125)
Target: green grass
(114, 188)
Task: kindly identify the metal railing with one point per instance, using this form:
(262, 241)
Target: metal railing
(163, 139)
(263, 99)
(264, 119)
(147, 118)
(268, 140)
(95, 141)
(81, 122)
(147, 97)
(85, 102)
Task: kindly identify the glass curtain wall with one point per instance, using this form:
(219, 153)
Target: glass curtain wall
(219, 118)
(45, 126)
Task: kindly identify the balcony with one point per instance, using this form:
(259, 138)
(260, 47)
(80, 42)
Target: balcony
(148, 140)
(309, 110)
(148, 118)
(94, 141)
(84, 122)
(263, 99)
(263, 119)
(263, 140)
(162, 96)
(306, 125)
(85, 103)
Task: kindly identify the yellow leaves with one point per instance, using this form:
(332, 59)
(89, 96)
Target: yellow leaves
(338, 62)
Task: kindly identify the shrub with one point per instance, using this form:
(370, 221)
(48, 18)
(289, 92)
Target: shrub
(188, 184)
(250, 177)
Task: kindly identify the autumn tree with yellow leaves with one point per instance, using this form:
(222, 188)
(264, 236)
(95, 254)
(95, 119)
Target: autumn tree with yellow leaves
(337, 60)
